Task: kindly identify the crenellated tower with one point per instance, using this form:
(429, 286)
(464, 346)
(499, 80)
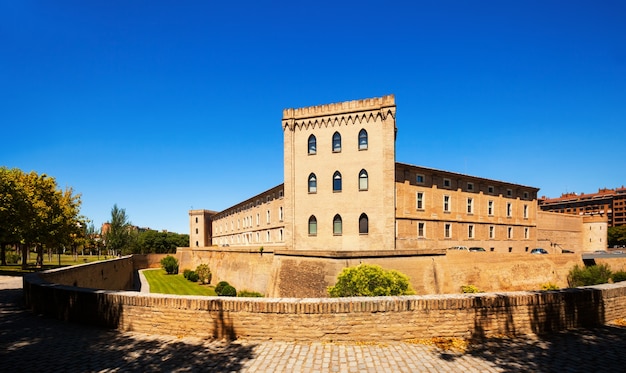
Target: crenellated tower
(339, 162)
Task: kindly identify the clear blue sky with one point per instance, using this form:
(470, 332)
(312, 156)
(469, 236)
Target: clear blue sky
(159, 107)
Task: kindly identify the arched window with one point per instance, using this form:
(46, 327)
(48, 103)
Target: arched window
(337, 225)
(312, 226)
(363, 180)
(312, 183)
(362, 139)
(363, 224)
(336, 142)
(337, 182)
(312, 144)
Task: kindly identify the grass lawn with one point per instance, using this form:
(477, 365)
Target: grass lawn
(66, 260)
(161, 282)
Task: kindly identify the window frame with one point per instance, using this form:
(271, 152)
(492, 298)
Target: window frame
(337, 183)
(312, 145)
(362, 218)
(337, 225)
(312, 183)
(336, 142)
(363, 135)
(362, 178)
(312, 224)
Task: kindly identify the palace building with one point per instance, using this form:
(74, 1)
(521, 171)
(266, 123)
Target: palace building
(344, 191)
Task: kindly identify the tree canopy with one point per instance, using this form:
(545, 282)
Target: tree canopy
(34, 212)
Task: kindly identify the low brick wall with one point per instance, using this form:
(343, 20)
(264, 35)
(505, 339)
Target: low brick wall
(326, 319)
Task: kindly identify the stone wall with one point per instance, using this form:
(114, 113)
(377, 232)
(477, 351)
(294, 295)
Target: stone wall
(326, 319)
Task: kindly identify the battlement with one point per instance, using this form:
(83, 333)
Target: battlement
(340, 107)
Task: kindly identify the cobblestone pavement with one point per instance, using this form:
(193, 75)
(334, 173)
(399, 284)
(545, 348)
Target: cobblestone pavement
(31, 343)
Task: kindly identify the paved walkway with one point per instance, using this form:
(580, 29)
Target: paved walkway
(31, 343)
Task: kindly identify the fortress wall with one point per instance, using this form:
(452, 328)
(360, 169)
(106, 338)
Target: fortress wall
(113, 274)
(331, 319)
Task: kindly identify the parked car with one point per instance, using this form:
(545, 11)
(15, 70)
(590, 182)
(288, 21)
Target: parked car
(538, 250)
(476, 249)
(460, 248)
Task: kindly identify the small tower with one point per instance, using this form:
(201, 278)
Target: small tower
(200, 228)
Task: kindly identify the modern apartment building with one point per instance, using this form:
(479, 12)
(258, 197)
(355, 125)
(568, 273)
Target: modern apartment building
(608, 202)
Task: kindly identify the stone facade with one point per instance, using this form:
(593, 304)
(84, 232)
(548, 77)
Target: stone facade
(344, 191)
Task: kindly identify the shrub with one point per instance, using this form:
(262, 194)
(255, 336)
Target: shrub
(220, 286)
(469, 289)
(13, 258)
(204, 273)
(591, 275)
(249, 294)
(186, 273)
(193, 276)
(228, 291)
(170, 265)
(367, 280)
(548, 286)
(619, 276)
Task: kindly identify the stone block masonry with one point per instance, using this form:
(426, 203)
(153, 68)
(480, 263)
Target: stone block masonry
(326, 319)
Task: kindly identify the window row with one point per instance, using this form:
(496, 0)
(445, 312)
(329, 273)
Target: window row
(471, 231)
(248, 238)
(337, 186)
(447, 205)
(247, 221)
(336, 144)
(338, 225)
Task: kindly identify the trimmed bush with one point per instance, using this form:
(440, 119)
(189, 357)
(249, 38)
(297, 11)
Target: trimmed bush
(204, 273)
(170, 265)
(366, 280)
(469, 289)
(13, 258)
(220, 286)
(228, 291)
(548, 286)
(249, 294)
(193, 276)
(586, 276)
(186, 273)
(619, 276)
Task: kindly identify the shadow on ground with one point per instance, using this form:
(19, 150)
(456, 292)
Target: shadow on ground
(582, 350)
(36, 343)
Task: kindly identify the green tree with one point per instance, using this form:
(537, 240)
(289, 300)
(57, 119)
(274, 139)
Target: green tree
(367, 280)
(616, 236)
(35, 213)
(119, 237)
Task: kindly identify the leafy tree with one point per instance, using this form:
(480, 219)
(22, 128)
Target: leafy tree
(170, 264)
(119, 236)
(151, 241)
(35, 213)
(367, 280)
(617, 236)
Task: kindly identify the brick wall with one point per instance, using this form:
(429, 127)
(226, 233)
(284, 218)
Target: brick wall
(326, 319)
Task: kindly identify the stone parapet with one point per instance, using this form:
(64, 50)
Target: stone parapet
(325, 319)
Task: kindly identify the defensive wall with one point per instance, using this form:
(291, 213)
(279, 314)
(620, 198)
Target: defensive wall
(312, 319)
(290, 273)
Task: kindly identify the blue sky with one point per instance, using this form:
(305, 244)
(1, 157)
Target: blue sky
(160, 107)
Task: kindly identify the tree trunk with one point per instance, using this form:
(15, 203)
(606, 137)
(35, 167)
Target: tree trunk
(24, 248)
(3, 254)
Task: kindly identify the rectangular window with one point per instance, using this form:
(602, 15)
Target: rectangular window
(420, 200)
(446, 203)
(447, 230)
(470, 187)
(525, 195)
(509, 209)
(419, 179)
(257, 219)
(280, 213)
(490, 207)
(490, 189)
(447, 183)
(525, 211)
(470, 231)
(526, 233)
(470, 205)
(420, 229)
(509, 193)
(492, 232)
(509, 233)
(268, 216)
